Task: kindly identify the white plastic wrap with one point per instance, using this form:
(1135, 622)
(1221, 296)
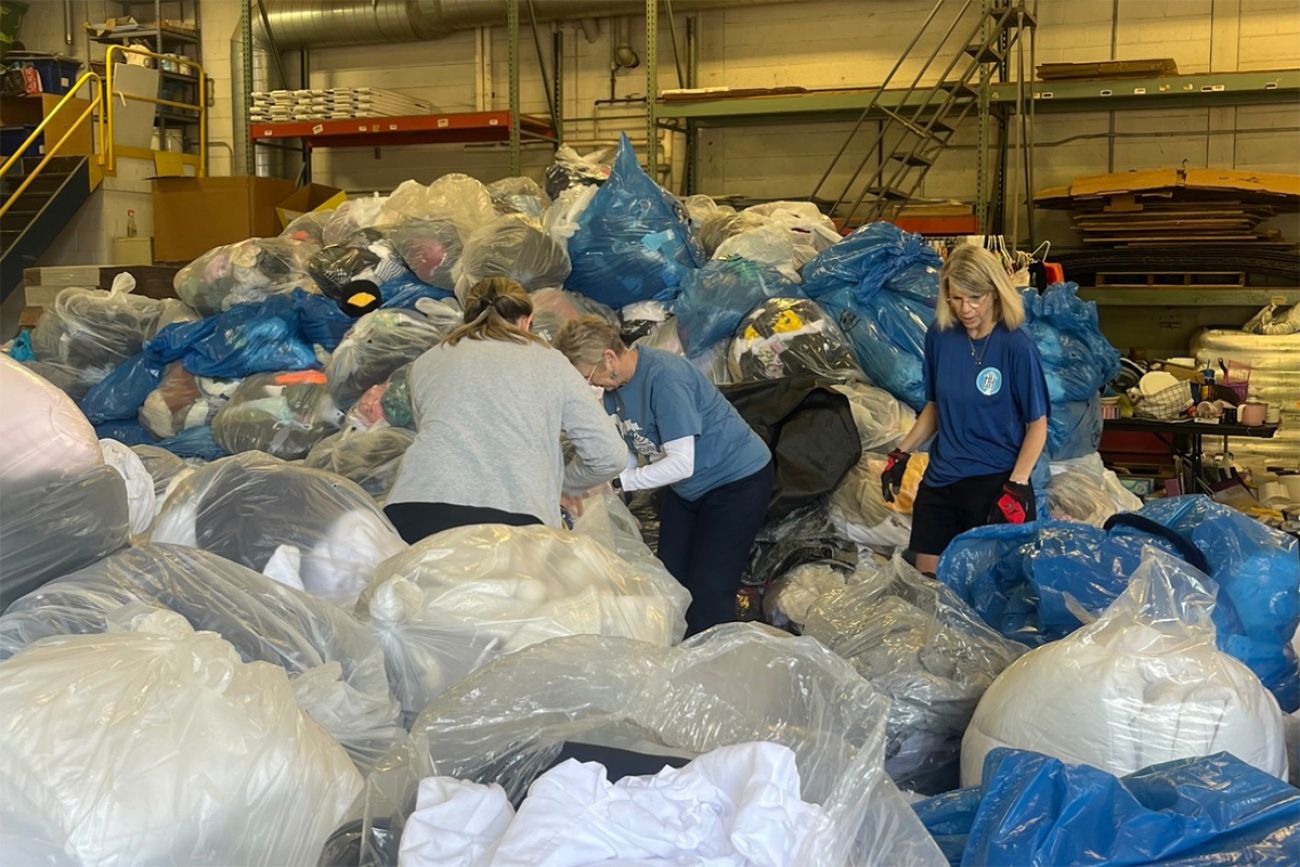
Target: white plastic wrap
(1083, 490)
(561, 220)
(770, 244)
(334, 663)
(140, 494)
(92, 332)
(731, 685)
(926, 650)
(256, 510)
(787, 601)
(379, 343)
(457, 198)
(166, 470)
(60, 506)
(516, 247)
(249, 270)
(160, 746)
(882, 421)
(459, 598)
(282, 414)
(811, 230)
(519, 196)
(1143, 684)
(370, 458)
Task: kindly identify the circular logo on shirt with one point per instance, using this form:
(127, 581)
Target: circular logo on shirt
(989, 381)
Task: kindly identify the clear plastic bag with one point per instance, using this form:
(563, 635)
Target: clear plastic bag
(354, 215)
(555, 308)
(140, 495)
(632, 243)
(519, 196)
(1142, 684)
(430, 248)
(1083, 490)
(512, 246)
(369, 458)
(380, 343)
(165, 468)
(92, 332)
(159, 745)
(806, 535)
(790, 337)
(61, 507)
(308, 228)
(183, 401)
(561, 218)
(810, 229)
(334, 663)
(786, 602)
(927, 651)
(719, 225)
(457, 198)
(249, 270)
(362, 258)
(715, 298)
(464, 596)
(282, 414)
(256, 510)
(572, 169)
(733, 684)
(768, 244)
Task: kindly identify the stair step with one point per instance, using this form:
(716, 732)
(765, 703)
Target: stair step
(888, 193)
(1014, 21)
(44, 183)
(984, 53)
(912, 159)
(960, 88)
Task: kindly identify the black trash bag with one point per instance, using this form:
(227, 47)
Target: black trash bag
(809, 427)
(790, 337)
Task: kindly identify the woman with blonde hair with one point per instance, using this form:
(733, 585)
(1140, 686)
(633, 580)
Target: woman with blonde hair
(683, 436)
(987, 408)
(490, 402)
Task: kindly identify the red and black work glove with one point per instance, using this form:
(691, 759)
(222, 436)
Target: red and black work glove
(891, 480)
(1015, 505)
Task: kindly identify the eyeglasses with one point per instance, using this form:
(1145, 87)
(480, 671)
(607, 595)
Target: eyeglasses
(595, 367)
(969, 303)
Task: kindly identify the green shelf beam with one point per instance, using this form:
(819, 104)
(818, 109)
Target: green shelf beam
(1190, 296)
(1118, 94)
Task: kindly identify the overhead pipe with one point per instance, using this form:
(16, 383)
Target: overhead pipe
(325, 23)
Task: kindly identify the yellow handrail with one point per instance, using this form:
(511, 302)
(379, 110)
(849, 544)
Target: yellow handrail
(51, 151)
(106, 116)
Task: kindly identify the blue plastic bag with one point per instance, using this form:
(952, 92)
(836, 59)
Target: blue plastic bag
(1074, 429)
(120, 395)
(196, 442)
(127, 432)
(632, 242)
(881, 285)
(717, 297)
(405, 290)
(321, 319)
(22, 348)
(1078, 361)
(1036, 811)
(254, 337)
(1027, 581)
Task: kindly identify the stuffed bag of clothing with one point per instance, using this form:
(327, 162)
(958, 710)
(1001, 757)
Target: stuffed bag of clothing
(282, 414)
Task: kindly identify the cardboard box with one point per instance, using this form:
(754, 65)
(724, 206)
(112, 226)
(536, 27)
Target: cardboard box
(133, 251)
(305, 200)
(193, 215)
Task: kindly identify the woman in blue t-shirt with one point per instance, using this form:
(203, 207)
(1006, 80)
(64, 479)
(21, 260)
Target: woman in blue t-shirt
(683, 436)
(987, 408)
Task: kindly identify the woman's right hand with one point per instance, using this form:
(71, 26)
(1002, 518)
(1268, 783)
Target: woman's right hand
(891, 480)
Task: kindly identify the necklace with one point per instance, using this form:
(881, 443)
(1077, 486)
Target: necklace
(979, 359)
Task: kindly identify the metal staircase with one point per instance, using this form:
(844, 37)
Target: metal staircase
(921, 118)
(39, 195)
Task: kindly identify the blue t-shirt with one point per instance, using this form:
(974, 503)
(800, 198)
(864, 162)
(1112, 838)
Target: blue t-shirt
(667, 399)
(984, 398)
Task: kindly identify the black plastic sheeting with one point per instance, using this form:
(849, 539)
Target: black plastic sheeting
(809, 427)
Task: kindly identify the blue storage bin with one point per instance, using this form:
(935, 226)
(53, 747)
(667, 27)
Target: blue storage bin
(58, 74)
(12, 138)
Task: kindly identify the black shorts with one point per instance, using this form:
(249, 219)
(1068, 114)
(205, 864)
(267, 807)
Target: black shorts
(941, 514)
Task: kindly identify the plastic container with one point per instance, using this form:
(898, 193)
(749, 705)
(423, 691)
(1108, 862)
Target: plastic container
(12, 138)
(58, 74)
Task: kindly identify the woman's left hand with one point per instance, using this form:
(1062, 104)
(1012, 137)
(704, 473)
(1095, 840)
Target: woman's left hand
(1015, 505)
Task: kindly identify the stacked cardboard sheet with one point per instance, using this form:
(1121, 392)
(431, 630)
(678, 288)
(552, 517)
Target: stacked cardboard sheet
(337, 103)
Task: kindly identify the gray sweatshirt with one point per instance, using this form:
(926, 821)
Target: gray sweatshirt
(488, 415)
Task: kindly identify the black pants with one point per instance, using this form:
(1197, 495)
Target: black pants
(941, 514)
(416, 521)
(706, 543)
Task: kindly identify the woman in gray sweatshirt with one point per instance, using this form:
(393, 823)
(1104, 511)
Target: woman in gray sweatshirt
(490, 402)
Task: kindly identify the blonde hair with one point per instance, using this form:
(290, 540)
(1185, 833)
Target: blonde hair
(977, 271)
(585, 339)
(492, 308)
